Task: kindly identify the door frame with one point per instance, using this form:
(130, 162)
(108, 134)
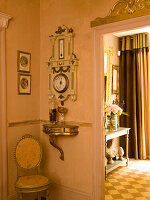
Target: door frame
(98, 96)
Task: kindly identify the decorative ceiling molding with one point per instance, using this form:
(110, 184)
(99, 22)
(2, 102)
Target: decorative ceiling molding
(4, 20)
(124, 9)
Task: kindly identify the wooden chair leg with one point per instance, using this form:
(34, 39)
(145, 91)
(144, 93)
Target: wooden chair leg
(19, 196)
(47, 194)
(39, 198)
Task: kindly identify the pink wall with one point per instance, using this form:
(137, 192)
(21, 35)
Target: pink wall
(22, 34)
(75, 172)
(29, 30)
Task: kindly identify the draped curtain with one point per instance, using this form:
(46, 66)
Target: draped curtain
(135, 94)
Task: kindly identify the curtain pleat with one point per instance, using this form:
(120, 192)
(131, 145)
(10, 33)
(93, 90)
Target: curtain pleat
(134, 92)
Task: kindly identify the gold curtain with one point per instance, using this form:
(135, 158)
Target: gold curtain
(135, 83)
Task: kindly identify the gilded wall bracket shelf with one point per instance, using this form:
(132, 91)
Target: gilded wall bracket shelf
(59, 129)
(124, 9)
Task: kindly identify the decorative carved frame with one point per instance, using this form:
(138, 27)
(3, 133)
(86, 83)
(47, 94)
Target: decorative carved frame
(3, 111)
(124, 9)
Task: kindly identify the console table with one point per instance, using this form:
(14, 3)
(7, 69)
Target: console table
(111, 135)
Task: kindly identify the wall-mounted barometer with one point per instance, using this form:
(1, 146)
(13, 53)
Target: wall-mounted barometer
(62, 66)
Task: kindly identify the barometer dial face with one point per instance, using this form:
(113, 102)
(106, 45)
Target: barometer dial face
(61, 83)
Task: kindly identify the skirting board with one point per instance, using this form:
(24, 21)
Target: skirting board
(58, 192)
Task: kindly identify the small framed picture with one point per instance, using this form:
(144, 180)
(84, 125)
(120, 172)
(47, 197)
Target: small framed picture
(115, 79)
(23, 61)
(24, 83)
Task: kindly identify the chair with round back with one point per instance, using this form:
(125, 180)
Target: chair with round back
(28, 154)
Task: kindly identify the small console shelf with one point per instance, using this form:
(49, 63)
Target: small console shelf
(115, 134)
(59, 129)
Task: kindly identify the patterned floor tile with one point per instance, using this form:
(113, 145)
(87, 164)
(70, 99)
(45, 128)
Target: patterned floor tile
(119, 187)
(127, 196)
(113, 192)
(129, 183)
(132, 191)
(108, 197)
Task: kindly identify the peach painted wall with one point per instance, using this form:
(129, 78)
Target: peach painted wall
(22, 34)
(113, 41)
(0, 145)
(76, 171)
(32, 23)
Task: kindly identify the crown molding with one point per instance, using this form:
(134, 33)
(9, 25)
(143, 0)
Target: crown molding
(4, 20)
(124, 9)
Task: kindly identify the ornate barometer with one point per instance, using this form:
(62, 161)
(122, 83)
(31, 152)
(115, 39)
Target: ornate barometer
(62, 66)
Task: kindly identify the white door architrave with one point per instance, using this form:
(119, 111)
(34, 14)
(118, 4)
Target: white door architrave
(98, 95)
(3, 119)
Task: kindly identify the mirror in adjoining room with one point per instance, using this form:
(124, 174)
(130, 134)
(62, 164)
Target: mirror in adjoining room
(111, 69)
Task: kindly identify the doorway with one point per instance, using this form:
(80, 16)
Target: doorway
(98, 92)
(131, 181)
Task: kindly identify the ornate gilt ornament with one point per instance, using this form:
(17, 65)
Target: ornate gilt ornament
(124, 9)
(62, 65)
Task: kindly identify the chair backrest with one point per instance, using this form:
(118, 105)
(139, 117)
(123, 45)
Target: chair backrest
(28, 152)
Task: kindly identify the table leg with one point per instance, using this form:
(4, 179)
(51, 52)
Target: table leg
(127, 146)
(105, 157)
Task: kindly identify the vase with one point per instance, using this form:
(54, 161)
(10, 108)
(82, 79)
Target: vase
(111, 122)
(62, 111)
(52, 111)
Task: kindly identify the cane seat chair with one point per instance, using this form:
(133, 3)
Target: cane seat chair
(28, 154)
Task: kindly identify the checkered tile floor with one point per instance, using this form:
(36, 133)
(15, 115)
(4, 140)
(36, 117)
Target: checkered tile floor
(132, 182)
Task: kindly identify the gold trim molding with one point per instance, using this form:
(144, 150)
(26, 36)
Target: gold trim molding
(124, 9)
(38, 121)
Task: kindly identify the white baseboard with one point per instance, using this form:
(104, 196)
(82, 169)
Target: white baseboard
(12, 197)
(58, 192)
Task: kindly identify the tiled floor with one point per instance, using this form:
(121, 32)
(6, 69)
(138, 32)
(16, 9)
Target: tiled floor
(129, 183)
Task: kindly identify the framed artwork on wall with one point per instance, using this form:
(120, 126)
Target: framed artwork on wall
(24, 83)
(115, 79)
(23, 61)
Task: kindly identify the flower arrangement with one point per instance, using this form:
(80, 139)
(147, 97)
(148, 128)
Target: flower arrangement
(111, 116)
(113, 109)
